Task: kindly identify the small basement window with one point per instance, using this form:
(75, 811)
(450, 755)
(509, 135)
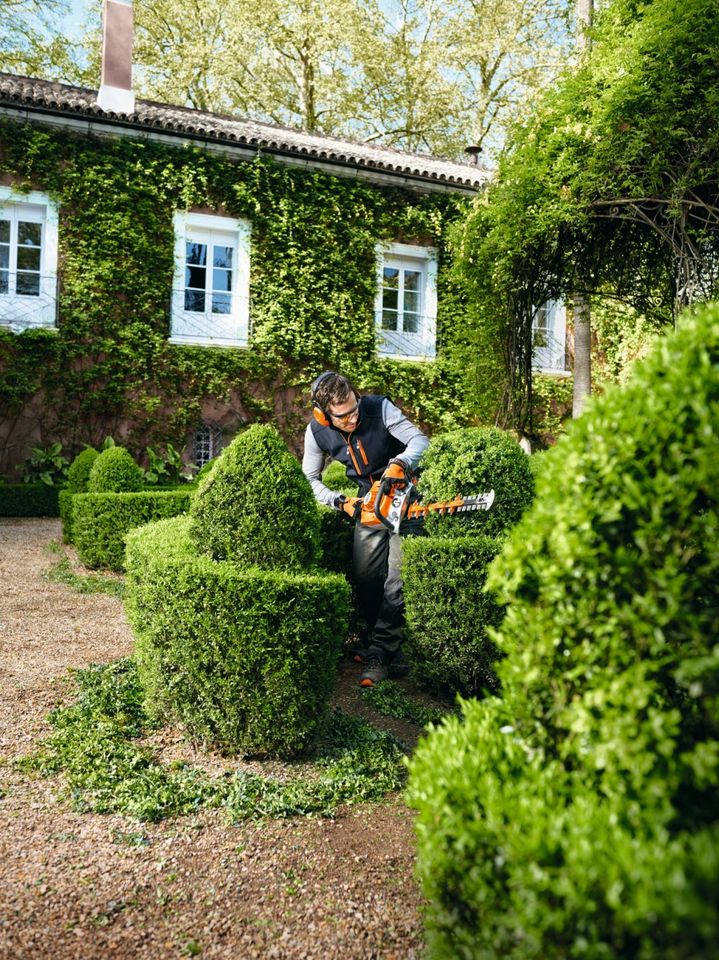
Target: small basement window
(206, 444)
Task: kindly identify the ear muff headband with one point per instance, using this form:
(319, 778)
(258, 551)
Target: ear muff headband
(318, 413)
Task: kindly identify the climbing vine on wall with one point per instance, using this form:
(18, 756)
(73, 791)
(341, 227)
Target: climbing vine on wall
(312, 290)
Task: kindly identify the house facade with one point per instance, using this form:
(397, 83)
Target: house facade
(168, 274)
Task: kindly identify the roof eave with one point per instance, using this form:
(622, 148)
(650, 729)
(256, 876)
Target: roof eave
(117, 126)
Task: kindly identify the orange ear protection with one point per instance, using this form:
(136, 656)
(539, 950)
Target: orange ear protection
(318, 413)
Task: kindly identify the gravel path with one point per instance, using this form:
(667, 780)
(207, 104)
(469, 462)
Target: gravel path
(86, 886)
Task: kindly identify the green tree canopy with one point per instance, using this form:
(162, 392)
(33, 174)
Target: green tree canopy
(610, 185)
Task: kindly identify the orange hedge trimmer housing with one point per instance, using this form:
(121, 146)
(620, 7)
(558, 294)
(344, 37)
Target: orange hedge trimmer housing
(392, 500)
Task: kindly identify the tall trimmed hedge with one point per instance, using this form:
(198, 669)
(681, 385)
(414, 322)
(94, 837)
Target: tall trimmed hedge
(256, 507)
(244, 657)
(29, 500)
(475, 460)
(449, 614)
(577, 816)
(101, 521)
(114, 471)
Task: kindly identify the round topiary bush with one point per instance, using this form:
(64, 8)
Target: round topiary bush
(475, 460)
(114, 471)
(256, 507)
(78, 472)
(577, 816)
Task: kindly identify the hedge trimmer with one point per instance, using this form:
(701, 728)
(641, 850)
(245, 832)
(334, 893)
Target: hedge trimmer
(391, 502)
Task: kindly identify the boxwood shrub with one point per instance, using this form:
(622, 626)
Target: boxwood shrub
(29, 500)
(577, 816)
(244, 657)
(78, 475)
(114, 471)
(102, 520)
(256, 506)
(448, 613)
(475, 460)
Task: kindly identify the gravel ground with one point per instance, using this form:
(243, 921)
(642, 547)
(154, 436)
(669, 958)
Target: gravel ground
(86, 886)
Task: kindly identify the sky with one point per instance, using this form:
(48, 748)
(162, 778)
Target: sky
(78, 13)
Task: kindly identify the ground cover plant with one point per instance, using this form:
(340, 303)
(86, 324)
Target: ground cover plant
(576, 815)
(390, 700)
(62, 572)
(98, 747)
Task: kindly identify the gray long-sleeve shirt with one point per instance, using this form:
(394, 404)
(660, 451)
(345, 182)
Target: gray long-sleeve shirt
(398, 425)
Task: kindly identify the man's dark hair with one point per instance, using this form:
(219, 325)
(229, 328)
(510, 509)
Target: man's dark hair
(333, 389)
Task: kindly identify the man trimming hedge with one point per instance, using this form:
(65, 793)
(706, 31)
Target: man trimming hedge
(371, 437)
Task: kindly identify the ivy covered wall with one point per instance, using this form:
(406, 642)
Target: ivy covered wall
(108, 368)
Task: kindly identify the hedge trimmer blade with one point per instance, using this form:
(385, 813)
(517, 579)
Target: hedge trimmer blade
(393, 507)
(479, 501)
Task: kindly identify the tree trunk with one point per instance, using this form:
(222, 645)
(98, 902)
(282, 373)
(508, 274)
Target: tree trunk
(584, 10)
(582, 355)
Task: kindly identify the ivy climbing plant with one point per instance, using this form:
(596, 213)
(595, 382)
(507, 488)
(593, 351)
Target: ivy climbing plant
(109, 364)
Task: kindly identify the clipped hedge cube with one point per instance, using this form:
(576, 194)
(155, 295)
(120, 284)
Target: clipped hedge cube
(101, 521)
(114, 471)
(449, 614)
(476, 460)
(245, 658)
(577, 816)
(256, 507)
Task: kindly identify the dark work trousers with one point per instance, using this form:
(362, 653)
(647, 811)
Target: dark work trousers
(377, 555)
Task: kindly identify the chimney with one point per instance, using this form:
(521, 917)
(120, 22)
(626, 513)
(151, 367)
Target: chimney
(473, 151)
(115, 95)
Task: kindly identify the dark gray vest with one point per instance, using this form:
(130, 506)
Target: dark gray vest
(365, 451)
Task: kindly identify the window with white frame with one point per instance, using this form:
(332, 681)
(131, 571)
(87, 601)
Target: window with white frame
(210, 296)
(28, 259)
(406, 301)
(549, 338)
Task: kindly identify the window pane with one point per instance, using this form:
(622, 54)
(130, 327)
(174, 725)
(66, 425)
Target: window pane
(195, 301)
(389, 299)
(4, 231)
(411, 301)
(28, 258)
(412, 280)
(195, 277)
(196, 253)
(221, 303)
(389, 319)
(410, 323)
(29, 234)
(4, 257)
(390, 277)
(222, 257)
(28, 284)
(222, 280)
(4, 281)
